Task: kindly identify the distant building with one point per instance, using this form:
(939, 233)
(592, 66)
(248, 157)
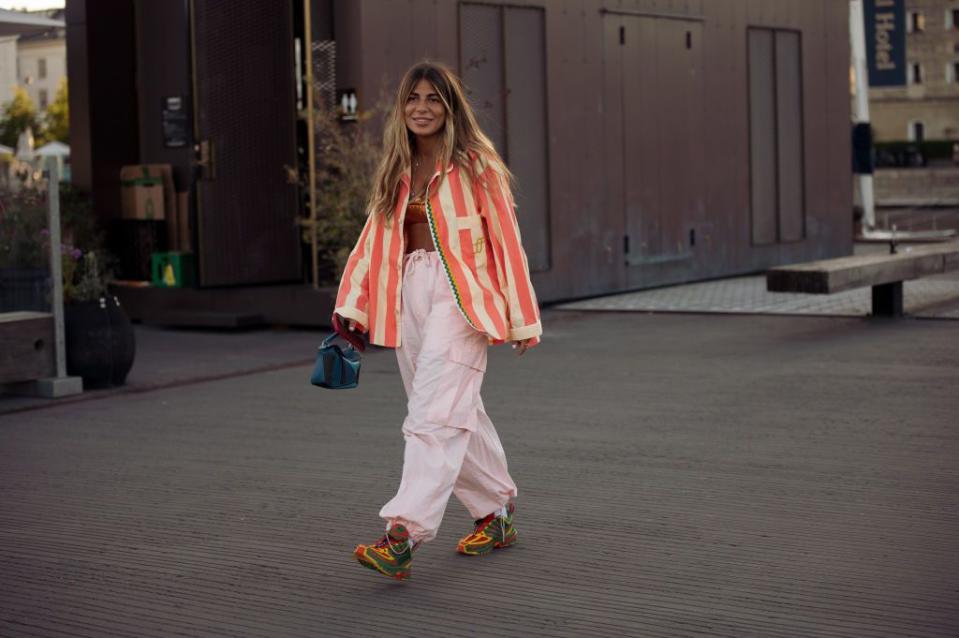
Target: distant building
(35, 61)
(8, 66)
(42, 61)
(928, 107)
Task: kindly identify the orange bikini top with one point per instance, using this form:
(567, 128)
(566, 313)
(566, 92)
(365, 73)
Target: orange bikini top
(415, 212)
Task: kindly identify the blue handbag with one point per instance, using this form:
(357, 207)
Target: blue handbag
(336, 368)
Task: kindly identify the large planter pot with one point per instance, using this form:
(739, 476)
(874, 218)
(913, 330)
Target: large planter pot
(100, 342)
(24, 289)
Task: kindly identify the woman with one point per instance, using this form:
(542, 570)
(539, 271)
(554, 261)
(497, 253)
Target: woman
(439, 273)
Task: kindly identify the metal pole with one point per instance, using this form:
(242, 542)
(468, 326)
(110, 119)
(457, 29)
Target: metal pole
(857, 36)
(56, 265)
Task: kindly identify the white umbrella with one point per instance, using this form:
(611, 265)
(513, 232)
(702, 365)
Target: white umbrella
(53, 149)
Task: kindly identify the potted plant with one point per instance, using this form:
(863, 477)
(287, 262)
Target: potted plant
(99, 336)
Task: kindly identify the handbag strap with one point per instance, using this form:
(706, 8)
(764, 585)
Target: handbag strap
(354, 339)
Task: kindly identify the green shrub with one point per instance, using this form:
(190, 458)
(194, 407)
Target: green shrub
(347, 154)
(23, 229)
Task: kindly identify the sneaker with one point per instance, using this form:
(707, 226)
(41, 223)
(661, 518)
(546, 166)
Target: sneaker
(492, 532)
(391, 556)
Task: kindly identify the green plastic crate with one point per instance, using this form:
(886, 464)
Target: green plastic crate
(172, 270)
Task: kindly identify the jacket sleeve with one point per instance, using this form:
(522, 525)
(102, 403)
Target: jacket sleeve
(498, 209)
(353, 297)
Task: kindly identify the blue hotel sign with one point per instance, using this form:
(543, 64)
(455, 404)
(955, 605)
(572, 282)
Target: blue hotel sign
(886, 41)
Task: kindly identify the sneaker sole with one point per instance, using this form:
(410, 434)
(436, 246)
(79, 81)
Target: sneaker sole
(484, 552)
(365, 562)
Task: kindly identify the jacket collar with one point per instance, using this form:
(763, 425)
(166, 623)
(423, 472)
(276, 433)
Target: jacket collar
(406, 177)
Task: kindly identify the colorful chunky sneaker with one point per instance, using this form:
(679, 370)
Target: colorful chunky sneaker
(392, 555)
(491, 532)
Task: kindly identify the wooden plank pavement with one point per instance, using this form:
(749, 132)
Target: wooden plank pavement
(679, 476)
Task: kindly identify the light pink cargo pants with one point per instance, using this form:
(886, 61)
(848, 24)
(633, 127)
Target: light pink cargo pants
(451, 444)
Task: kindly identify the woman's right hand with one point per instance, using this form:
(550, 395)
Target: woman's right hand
(349, 330)
(348, 324)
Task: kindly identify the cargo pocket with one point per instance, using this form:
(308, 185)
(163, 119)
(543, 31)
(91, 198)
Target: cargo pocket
(470, 353)
(457, 401)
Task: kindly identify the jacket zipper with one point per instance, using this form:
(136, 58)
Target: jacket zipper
(443, 260)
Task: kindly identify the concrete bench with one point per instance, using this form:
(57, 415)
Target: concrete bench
(26, 346)
(885, 273)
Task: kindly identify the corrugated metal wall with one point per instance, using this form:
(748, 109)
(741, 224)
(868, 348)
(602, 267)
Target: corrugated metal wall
(661, 154)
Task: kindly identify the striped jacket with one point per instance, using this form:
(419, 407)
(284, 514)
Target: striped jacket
(474, 229)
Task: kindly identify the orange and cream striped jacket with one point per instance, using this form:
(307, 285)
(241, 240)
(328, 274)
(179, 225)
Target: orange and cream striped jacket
(474, 229)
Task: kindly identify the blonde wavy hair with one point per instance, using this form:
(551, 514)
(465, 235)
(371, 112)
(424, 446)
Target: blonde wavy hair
(461, 135)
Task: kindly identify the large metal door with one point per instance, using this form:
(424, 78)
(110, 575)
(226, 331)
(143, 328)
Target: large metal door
(503, 64)
(243, 75)
(660, 65)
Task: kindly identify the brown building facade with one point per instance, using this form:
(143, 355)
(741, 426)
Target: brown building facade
(654, 141)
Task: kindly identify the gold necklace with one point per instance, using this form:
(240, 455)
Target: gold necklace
(416, 165)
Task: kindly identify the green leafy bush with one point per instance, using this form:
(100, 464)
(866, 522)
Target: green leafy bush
(23, 226)
(347, 155)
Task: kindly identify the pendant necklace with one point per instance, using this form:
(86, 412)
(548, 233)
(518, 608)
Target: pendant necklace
(416, 165)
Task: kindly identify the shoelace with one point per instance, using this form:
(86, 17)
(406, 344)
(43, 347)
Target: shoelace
(385, 542)
(482, 523)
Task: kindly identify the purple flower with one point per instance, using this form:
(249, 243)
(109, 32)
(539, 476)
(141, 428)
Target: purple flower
(71, 251)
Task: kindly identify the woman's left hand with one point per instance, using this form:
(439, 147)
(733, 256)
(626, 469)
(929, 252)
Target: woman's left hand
(521, 346)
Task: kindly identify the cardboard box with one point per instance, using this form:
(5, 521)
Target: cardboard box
(147, 191)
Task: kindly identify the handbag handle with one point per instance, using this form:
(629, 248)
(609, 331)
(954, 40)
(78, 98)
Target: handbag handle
(351, 337)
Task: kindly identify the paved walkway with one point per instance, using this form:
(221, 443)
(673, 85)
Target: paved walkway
(680, 475)
(929, 297)
(167, 358)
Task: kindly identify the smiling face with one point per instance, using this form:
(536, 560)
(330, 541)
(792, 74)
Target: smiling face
(425, 113)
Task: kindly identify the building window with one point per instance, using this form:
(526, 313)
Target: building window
(952, 18)
(915, 73)
(42, 98)
(915, 22)
(952, 72)
(917, 131)
(42, 68)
